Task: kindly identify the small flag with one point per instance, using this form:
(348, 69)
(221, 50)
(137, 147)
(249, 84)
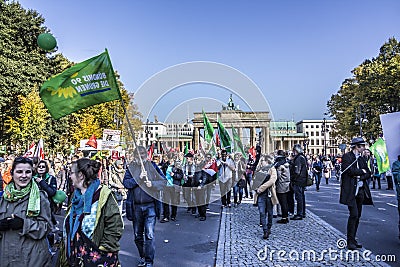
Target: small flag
(150, 152)
(211, 167)
(225, 138)
(252, 152)
(85, 84)
(39, 152)
(217, 140)
(92, 141)
(237, 142)
(381, 155)
(208, 128)
(31, 151)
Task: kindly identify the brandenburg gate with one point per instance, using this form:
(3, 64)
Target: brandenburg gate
(231, 116)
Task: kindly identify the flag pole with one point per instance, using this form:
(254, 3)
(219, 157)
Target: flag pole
(127, 119)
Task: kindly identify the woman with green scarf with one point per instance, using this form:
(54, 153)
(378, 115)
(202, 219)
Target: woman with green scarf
(25, 219)
(93, 225)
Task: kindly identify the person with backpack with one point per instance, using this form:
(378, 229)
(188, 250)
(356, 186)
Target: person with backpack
(265, 194)
(282, 184)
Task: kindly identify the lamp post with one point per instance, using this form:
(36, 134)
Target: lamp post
(324, 131)
(361, 118)
(147, 132)
(305, 143)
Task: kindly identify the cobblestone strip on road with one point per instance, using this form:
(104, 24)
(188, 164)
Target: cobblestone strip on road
(310, 242)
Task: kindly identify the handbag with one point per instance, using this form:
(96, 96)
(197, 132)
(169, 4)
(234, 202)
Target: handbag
(92, 256)
(310, 179)
(241, 183)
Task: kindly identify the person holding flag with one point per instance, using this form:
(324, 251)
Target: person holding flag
(354, 190)
(144, 182)
(210, 172)
(226, 166)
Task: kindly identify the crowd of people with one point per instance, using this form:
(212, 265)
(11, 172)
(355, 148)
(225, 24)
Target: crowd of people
(101, 192)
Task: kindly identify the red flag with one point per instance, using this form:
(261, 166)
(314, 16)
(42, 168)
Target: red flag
(39, 153)
(92, 141)
(217, 140)
(252, 152)
(150, 152)
(114, 154)
(31, 151)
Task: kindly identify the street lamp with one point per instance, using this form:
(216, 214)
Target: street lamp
(324, 131)
(147, 132)
(361, 118)
(305, 143)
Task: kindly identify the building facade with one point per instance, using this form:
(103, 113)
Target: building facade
(319, 140)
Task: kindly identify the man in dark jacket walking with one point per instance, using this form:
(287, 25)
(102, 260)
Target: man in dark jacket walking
(298, 177)
(354, 190)
(144, 183)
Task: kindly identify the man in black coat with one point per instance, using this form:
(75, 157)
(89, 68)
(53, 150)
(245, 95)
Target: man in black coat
(354, 190)
(298, 179)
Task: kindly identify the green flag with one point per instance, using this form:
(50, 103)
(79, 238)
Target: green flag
(237, 142)
(225, 138)
(85, 84)
(208, 128)
(381, 155)
(185, 151)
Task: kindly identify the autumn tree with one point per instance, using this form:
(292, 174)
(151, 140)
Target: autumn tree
(375, 85)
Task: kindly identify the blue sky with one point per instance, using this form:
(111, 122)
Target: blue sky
(297, 52)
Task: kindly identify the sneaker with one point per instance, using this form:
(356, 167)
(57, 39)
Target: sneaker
(229, 205)
(266, 234)
(173, 219)
(142, 263)
(164, 220)
(283, 221)
(202, 218)
(297, 217)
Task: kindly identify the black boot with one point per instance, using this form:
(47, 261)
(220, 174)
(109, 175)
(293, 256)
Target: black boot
(266, 234)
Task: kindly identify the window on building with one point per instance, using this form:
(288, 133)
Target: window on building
(312, 133)
(316, 133)
(306, 126)
(312, 126)
(312, 142)
(316, 126)
(317, 142)
(156, 128)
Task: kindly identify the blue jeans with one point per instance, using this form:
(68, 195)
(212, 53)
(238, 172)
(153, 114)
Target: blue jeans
(264, 204)
(318, 176)
(300, 199)
(143, 226)
(236, 190)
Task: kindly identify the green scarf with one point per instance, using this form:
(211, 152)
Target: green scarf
(11, 194)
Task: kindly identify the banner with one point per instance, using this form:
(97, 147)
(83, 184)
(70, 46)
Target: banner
(391, 131)
(85, 84)
(111, 138)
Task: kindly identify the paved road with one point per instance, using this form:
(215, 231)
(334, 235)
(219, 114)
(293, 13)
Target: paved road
(378, 230)
(191, 242)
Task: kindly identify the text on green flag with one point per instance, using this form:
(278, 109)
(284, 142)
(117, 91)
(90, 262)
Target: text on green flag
(85, 84)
